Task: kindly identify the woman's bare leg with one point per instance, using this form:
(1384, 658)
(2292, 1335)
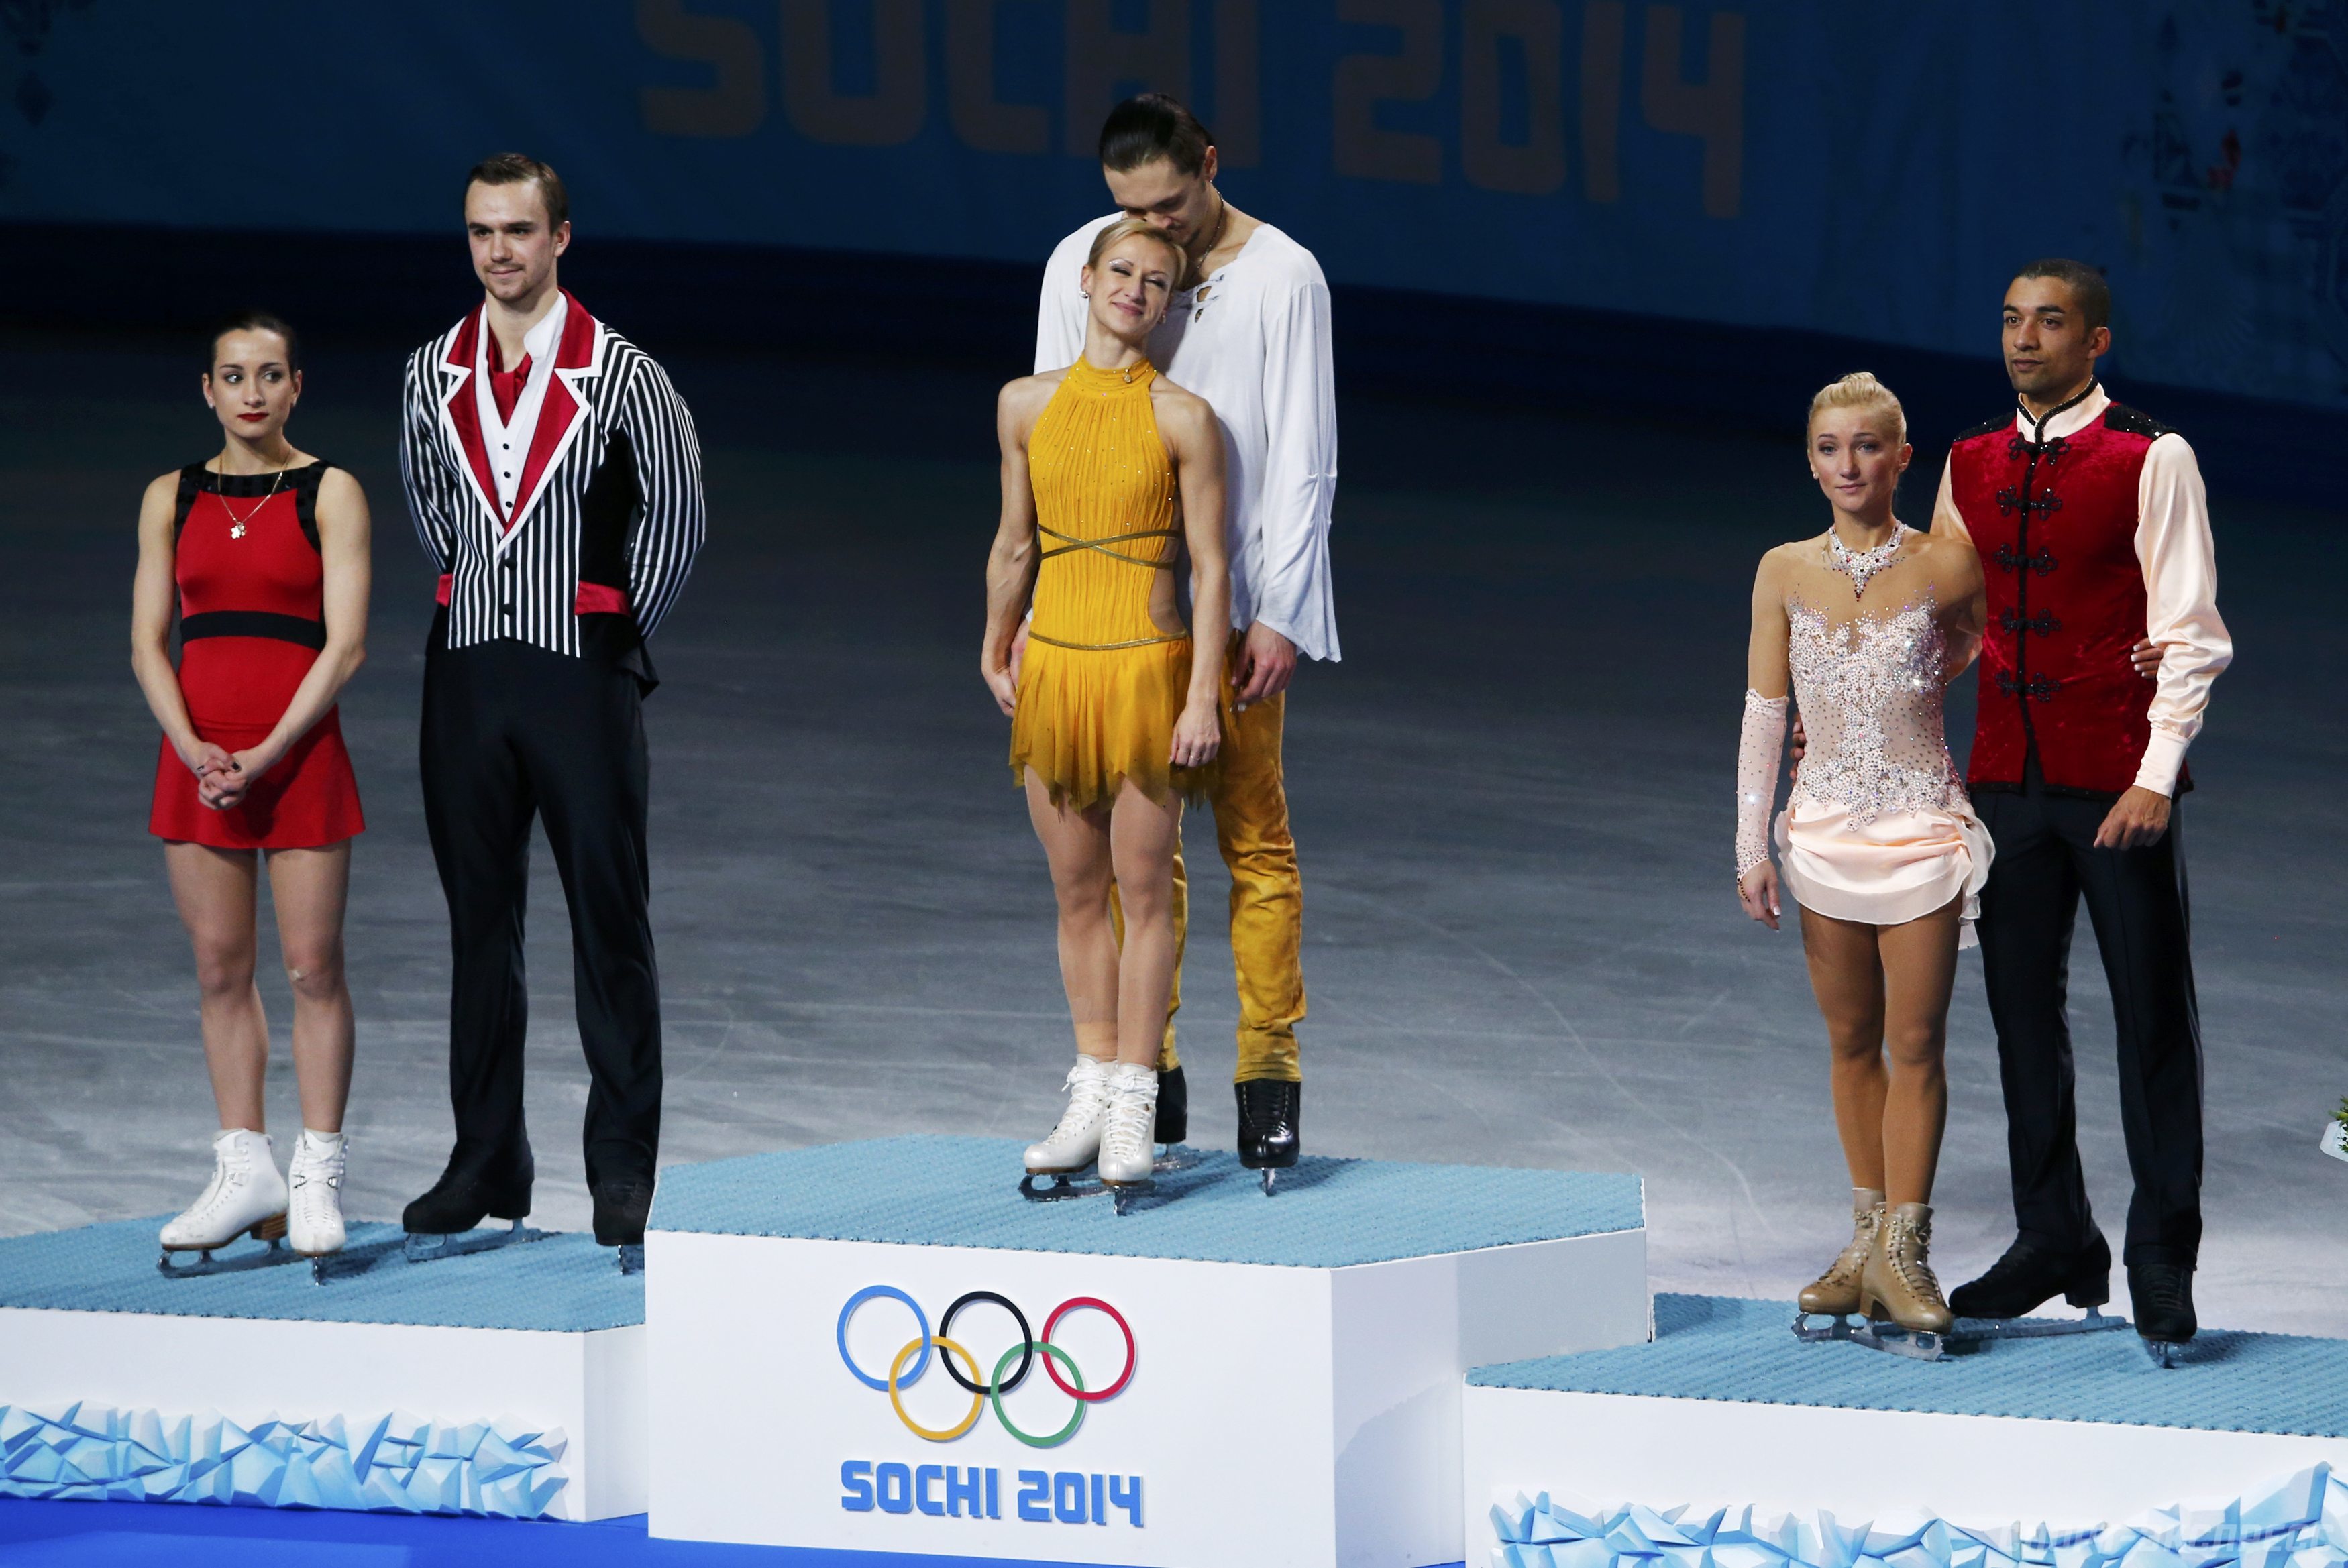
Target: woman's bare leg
(1143, 833)
(216, 890)
(310, 888)
(1076, 843)
(1847, 977)
(1919, 966)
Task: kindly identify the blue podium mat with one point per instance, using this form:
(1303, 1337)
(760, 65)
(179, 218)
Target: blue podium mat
(963, 1191)
(561, 1283)
(1719, 1348)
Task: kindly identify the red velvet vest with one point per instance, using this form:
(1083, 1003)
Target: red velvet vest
(2055, 525)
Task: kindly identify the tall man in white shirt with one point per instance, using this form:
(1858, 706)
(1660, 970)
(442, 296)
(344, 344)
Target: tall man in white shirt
(556, 483)
(1252, 339)
(2094, 530)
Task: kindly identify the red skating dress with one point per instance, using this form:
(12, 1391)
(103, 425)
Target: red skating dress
(251, 621)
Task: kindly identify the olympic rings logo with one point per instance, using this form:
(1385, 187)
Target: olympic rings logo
(909, 1363)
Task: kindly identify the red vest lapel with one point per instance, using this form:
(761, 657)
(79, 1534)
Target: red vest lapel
(464, 416)
(576, 351)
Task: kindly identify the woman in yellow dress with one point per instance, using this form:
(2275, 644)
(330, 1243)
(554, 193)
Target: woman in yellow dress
(1114, 705)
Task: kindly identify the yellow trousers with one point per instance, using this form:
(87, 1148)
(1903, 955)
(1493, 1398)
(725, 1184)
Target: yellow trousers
(1249, 801)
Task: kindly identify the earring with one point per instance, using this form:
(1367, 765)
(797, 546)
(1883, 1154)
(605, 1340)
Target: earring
(1086, 292)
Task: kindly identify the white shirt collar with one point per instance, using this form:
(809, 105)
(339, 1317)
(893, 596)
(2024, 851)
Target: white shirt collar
(508, 441)
(2069, 422)
(538, 344)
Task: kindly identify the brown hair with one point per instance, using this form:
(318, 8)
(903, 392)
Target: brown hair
(2088, 288)
(254, 322)
(1860, 389)
(520, 168)
(1125, 229)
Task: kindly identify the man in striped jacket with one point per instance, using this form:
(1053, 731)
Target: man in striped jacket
(555, 480)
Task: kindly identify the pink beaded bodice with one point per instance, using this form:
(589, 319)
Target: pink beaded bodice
(1869, 690)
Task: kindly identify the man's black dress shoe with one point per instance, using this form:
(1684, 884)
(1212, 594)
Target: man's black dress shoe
(2030, 1275)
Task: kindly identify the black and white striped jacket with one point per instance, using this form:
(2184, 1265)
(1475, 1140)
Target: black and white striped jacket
(609, 514)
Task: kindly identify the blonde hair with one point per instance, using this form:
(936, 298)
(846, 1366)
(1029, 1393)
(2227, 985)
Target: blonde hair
(1860, 389)
(1125, 229)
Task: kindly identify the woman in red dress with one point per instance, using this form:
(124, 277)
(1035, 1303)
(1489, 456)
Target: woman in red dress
(263, 553)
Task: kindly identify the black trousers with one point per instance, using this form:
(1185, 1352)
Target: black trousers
(513, 733)
(2046, 860)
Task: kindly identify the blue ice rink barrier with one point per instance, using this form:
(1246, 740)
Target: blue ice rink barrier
(1870, 172)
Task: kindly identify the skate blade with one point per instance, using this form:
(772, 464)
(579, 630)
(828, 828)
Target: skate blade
(1173, 1157)
(169, 1267)
(1915, 1344)
(631, 1257)
(1064, 1185)
(1828, 1329)
(1127, 1195)
(2166, 1354)
(419, 1248)
(1972, 1329)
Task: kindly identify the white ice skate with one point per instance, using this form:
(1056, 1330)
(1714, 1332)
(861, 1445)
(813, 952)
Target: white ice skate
(314, 1219)
(2335, 1134)
(245, 1196)
(1075, 1141)
(1126, 1160)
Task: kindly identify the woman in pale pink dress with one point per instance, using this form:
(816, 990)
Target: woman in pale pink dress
(1867, 623)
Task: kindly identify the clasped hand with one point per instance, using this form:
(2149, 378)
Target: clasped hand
(223, 776)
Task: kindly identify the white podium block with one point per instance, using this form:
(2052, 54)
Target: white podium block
(506, 1383)
(2061, 1436)
(1265, 1380)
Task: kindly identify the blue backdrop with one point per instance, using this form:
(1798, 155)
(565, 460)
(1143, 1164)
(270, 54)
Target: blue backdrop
(1871, 171)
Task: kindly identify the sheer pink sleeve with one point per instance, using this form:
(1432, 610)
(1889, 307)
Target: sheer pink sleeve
(1758, 747)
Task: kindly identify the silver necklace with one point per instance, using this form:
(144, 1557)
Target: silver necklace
(1861, 565)
(236, 525)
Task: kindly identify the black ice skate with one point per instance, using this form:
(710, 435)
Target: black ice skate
(1173, 1128)
(470, 1191)
(621, 1208)
(1271, 1117)
(2162, 1295)
(2030, 1275)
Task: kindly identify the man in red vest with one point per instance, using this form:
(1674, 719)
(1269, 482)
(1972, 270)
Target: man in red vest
(2094, 531)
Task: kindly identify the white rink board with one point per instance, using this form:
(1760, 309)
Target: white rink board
(1303, 1416)
(1857, 1464)
(589, 1384)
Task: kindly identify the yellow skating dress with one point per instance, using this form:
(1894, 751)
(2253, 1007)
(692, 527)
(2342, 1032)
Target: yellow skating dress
(1101, 684)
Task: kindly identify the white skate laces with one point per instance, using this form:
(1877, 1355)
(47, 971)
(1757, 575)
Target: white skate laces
(245, 1194)
(1126, 1153)
(315, 1177)
(1073, 1143)
(1087, 1087)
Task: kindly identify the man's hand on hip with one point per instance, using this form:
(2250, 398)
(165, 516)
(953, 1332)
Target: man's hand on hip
(2137, 818)
(1267, 662)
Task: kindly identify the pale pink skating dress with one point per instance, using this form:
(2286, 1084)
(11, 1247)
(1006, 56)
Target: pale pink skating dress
(1879, 828)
